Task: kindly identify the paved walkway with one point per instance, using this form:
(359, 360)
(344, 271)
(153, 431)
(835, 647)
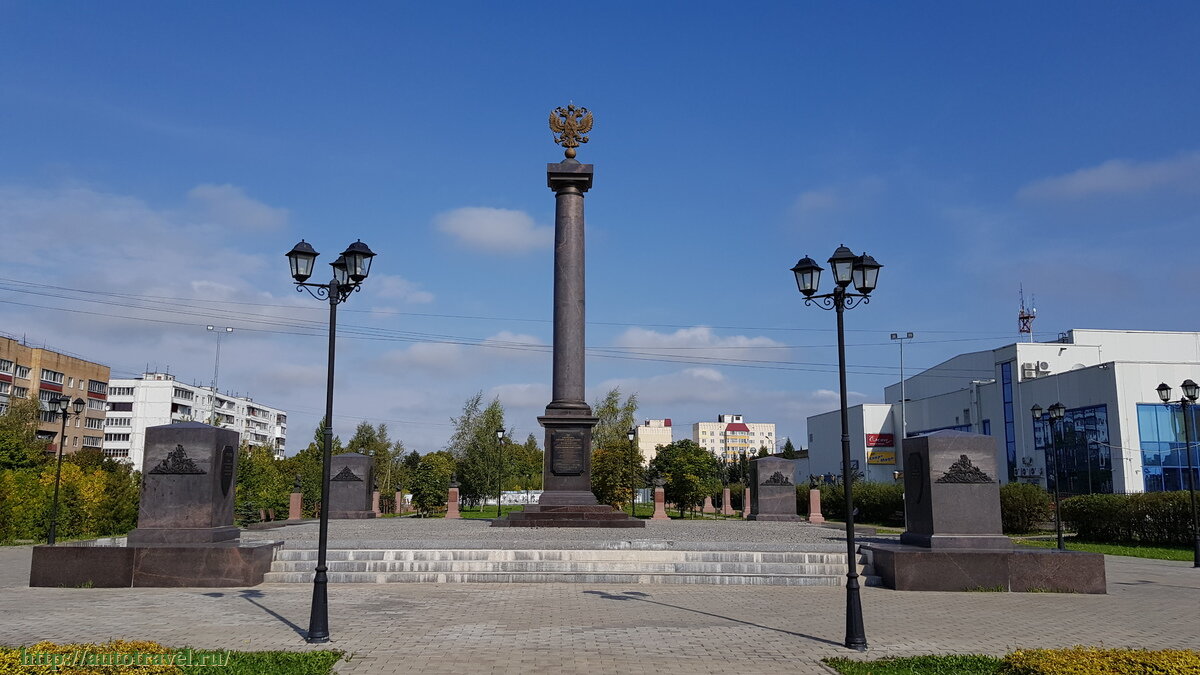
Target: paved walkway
(594, 628)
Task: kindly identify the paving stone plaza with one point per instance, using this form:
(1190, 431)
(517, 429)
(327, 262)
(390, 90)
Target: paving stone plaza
(601, 627)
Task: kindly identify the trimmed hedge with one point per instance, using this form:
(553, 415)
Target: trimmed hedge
(1024, 506)
(881, 503)
(1155, 518)
(1094, 661)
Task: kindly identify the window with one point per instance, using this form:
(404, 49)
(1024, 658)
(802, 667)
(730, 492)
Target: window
(97, 387)
(119, 421)
(49, 416)
(183, 394)
(120, 391)
(117, 406)
(114, 452)
(23, 392)
(116, 437)
(71, 383)
(23, 372)
(180, 409)
(1164, 463)
(5, 388)
(1083, 452)
(92, 441)
(1010, 428)
(96, 404)
(52, 376)
(93, 423)
(6, 366)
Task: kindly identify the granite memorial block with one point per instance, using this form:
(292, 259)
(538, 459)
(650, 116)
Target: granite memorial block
(350, 486)
(951, 492)
(187, 485)
(954, 540)
(774, 494)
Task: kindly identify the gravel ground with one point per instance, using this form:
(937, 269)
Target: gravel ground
(469, 533)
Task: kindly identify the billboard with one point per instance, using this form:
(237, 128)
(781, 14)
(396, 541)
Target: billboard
(880, 440)
(881, 457)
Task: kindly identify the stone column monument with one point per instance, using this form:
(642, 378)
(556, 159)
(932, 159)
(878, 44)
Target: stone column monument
(567, 499)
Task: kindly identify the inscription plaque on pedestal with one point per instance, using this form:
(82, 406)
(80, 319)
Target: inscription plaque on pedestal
(566, 452)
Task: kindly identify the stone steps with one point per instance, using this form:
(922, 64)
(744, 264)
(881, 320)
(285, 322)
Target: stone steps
(629, 566)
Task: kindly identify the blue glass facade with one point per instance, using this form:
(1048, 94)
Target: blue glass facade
(1160, 431)
(1010, 426)
(1083, 450)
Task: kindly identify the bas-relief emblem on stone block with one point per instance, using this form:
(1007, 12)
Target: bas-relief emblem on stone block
(177, 463)
(963, 471)
(566, 453)
(346, 474)
(228, 457)
(777, 478)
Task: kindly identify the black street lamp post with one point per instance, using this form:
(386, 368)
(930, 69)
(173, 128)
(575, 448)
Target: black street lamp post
(66, 408)
(863, 271)
(499, 468)
(1057, 411)
(349, 271)
(1191, 391)
(634, 463)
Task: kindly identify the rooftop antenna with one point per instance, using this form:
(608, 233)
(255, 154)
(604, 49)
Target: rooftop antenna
(1026, 316)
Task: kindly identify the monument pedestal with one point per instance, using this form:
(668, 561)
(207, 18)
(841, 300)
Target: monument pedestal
(774, 497)
(185, 534)
(350, 486)
(954, 540)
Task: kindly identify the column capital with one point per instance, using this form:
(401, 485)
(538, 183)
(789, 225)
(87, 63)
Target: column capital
(563, 174)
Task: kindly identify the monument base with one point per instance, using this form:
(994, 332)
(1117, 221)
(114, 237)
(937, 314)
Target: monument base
(957, 541)
(183, 535)
(914, 568)
(115, 563)
(333, 515)
(568, 515)
(793, 518)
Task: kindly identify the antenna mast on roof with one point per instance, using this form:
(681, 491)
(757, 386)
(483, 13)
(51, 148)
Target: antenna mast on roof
(1026, 316)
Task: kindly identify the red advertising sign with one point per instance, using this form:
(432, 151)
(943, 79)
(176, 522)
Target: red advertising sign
(880, 440)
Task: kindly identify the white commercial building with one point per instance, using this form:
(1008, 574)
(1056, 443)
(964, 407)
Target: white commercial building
(158, 398)
(652, 434)
(731, 435)
(1116, 435)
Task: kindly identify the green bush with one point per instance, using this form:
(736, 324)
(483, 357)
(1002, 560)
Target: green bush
(881, 503)
(1154, 518)
(1023, 506)
(1094, 661)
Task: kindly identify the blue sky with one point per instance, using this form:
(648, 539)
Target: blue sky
(157, 159)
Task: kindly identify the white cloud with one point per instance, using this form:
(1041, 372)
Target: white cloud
(691, 385)
(701, 342)
(395, 287)
(521, 395)
(1119, 177)
(494, 230)
(816, 200)
(229, 207)
(448, 359)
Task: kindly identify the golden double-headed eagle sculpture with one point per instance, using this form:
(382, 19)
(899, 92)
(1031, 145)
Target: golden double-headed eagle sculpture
(569, 125)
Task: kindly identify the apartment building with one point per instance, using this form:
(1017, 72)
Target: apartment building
(731, 436)
(44, 375)
(158, 398)
(651, 434)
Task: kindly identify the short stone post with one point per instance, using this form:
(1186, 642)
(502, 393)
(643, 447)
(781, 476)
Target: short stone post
(708, 505)
(660, 502)
(452, 502)
(726, 506)
(398, 506)
(746, 503)
(375, 502)
(814, 507)
(296, 506)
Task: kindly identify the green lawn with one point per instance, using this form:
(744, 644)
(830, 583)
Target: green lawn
(273, 663)
(950, 664)
(1134, 550)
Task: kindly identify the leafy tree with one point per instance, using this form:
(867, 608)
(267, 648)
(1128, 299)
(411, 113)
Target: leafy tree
(789, 450)
(616, 472)
(261, 484)
(307, 465)
(431, 482)
(475, 449)
(374, 442)
(526, 469)
(691, 473)
(19, 444)
(615, 417)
